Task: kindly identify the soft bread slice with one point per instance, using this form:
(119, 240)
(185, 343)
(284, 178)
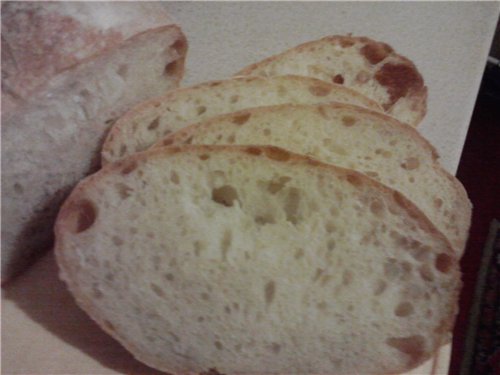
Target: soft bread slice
(351, 137)
(373, 68)
(253, 260)
(151, 121)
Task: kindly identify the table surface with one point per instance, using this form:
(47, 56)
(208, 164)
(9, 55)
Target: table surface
(43, 332)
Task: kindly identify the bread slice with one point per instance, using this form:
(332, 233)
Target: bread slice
(253, 260)
(372, 143)
(370, 67)
(53, 130)
(151, 121)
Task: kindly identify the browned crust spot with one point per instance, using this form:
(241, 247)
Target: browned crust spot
(376, 52)
(400, 80)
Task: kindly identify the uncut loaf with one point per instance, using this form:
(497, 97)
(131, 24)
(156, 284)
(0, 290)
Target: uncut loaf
(148, 122)
(69, 69)
(373, 68)
(351, 137)
(257, 261)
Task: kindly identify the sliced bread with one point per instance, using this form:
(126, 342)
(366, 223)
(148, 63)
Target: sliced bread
(348, 136)
(254, 260)
(151, 121)
(370, 67)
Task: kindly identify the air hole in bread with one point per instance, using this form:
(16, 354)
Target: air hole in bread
(201, 110)
(122, 151)
(123, 190)
(18, 188)
(154, 124)
(205, 296)
(200, 319)
(174, 178)
(278, 184)
(128, 166)
(275, 348)
(410, 164)
(377, 207)
(218, 345)
(81, 217)
(317, 274)
(227, 238)
(122, 70)
(225, 195)
(169, 277)
(443, 263)
(320, 90)
(198, 248)
(269, 292)
(412, 346)
(404, 309)
(277, 154)
(227, 309)
(338, 79)
(330, 227)
(348, 121)
(241, 118)
(299, 253)
(264, 219)
(438, 202)
(331, 245)
(322, 305)
(231, 139)
(157, 290)
(384, 153)
(379, 287)
(109, 122)
(167, 142)
(204, 157)
(291, 207)
(426, 273)
(117, 241)
(234, 99)
(173, 67)
(266, 132)
(347, 277)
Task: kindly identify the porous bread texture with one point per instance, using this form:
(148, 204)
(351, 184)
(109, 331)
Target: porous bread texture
(373, 68)
(351, 137)
(255, 260)
(53, 139)
(148, 122)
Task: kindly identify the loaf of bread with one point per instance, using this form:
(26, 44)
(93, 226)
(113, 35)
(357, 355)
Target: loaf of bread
(352, 137)
(148, 122)
(69, 69)
(370, 67)
(255, 260)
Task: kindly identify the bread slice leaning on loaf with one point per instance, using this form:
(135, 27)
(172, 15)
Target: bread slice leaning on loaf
(351, 137)
(68, 71)
(148, 122)
(373, 68)
(255, 260)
